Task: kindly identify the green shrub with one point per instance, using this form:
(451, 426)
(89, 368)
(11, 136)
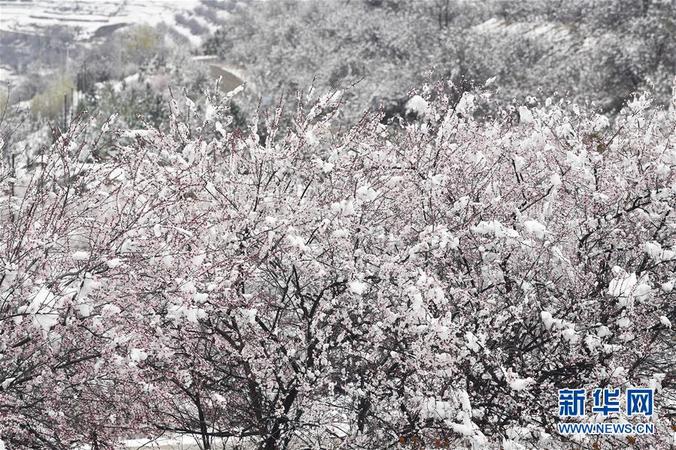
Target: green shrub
(50, 103)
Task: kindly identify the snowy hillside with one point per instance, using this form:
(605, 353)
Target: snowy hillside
(94, 18)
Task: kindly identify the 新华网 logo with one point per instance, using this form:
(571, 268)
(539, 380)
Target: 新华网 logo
(606, 401)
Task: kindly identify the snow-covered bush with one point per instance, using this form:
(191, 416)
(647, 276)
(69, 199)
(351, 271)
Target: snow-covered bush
(367, 287)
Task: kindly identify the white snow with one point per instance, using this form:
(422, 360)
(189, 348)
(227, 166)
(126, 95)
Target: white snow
(642, 291)
(80, 256)
(438, 180)
(665, 321)
(200, 297)
(555, 179)
(519, 384)
(297, 242)
(341, 233)
(113, 263)
(622, 285)
(466, 104)
(166, 443)
(464, 428)
(138, 133)
(653, 249)
(570, 335)
(180, 312)
(46, 321)
(437, 409)
(197, 260)
(472, 342)
(495, 228)
(624, 322)
(357, 287)
(327, 167)
(187, 286)
(110, 310)
(43, 308)
(535, 228)
(547, 319)
(116, 174)
(5, 384)
(525, 116)
(85, 309)
(417, 105)
(366, 193)
(344, 207)
(137, 355)
(603, 331)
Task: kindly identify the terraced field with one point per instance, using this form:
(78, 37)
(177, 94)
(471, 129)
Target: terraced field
(94, 18)
(27, 25)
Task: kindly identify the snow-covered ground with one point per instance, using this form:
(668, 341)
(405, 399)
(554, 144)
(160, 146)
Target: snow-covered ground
(173, 443)
(6, 73)
(88, 16)
(192, 21)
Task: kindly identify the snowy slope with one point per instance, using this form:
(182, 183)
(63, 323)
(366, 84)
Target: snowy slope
(88, 16)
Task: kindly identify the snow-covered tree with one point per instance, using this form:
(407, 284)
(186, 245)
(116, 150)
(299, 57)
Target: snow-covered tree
(600, 51)
(366, 287)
